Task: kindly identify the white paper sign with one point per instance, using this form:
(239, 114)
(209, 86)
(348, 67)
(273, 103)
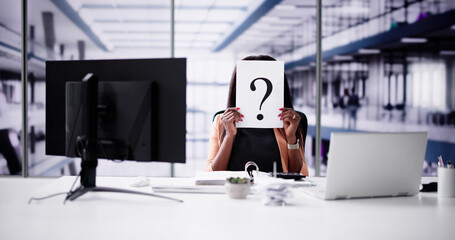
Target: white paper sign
(260, 93)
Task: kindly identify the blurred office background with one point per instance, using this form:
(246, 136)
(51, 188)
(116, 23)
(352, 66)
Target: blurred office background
(388, 65)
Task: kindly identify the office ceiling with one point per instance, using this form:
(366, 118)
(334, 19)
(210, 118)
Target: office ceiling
(275, 27)
(239, 25)
(117, 24)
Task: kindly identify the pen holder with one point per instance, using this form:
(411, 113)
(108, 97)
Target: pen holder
(446, 182)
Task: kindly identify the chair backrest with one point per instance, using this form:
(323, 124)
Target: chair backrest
(303, 122)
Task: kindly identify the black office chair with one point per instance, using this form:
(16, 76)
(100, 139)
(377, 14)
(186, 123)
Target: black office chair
(303, 122)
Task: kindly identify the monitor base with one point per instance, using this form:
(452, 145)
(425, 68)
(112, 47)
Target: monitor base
(73, 195)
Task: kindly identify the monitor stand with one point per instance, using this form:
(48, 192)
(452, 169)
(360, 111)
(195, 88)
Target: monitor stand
(88, 146)
(81, 190)
(88, 179)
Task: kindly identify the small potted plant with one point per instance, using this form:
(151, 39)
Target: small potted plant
(237, 187)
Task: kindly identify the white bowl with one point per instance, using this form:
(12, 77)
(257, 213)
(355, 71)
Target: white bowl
(237, 190)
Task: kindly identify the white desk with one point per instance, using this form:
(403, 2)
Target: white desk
(214, 216)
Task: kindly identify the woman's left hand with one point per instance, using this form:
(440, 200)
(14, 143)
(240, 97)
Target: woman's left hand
(291, 120)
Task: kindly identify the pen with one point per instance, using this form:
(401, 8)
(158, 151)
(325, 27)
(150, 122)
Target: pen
(274, 169)
(312, 183)
(441, 162)
(449, 164)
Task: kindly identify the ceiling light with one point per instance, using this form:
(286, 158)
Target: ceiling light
(412, 59)
(290, 18)
(280, 24)
(286, 7)
(453, 27)
(302, 68)
(447, 52)
(342, 58)
(269, 18)
(369, 51)
(414, 40)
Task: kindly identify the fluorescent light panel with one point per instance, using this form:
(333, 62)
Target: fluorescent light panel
(285, 7)
(412, 59)
(447, 52)
(302, 68)
(135, 40)
(369, 51)
(342, 57)
(414, 40)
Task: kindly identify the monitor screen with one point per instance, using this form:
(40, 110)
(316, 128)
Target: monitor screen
(125, 114)
(125, 89)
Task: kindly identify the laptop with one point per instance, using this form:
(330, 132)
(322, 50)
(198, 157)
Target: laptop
(364, 165)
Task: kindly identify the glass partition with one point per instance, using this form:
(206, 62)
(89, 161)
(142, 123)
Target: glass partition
(10, 88)
(84, 30)
(388, 67)
(107, 29)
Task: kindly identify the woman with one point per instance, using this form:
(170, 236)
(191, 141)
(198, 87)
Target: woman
(230, 148)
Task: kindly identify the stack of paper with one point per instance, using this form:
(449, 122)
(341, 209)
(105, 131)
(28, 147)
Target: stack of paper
(217, 177)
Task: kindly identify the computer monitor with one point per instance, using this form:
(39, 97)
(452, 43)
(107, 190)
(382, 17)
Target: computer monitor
(126, 116)
(168, 74)
(130, 109)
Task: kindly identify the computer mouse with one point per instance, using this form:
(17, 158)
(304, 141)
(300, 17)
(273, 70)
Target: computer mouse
(140, 182)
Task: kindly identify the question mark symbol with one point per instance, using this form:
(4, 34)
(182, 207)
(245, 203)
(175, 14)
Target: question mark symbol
(266, 95)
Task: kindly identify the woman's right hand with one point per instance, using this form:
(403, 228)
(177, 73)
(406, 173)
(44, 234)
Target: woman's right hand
(229, 118)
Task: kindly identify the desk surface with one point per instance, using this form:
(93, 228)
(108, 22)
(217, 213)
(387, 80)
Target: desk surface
(212, 216)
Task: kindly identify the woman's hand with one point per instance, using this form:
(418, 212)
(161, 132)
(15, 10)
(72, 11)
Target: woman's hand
(229, 118)
(291, 120)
